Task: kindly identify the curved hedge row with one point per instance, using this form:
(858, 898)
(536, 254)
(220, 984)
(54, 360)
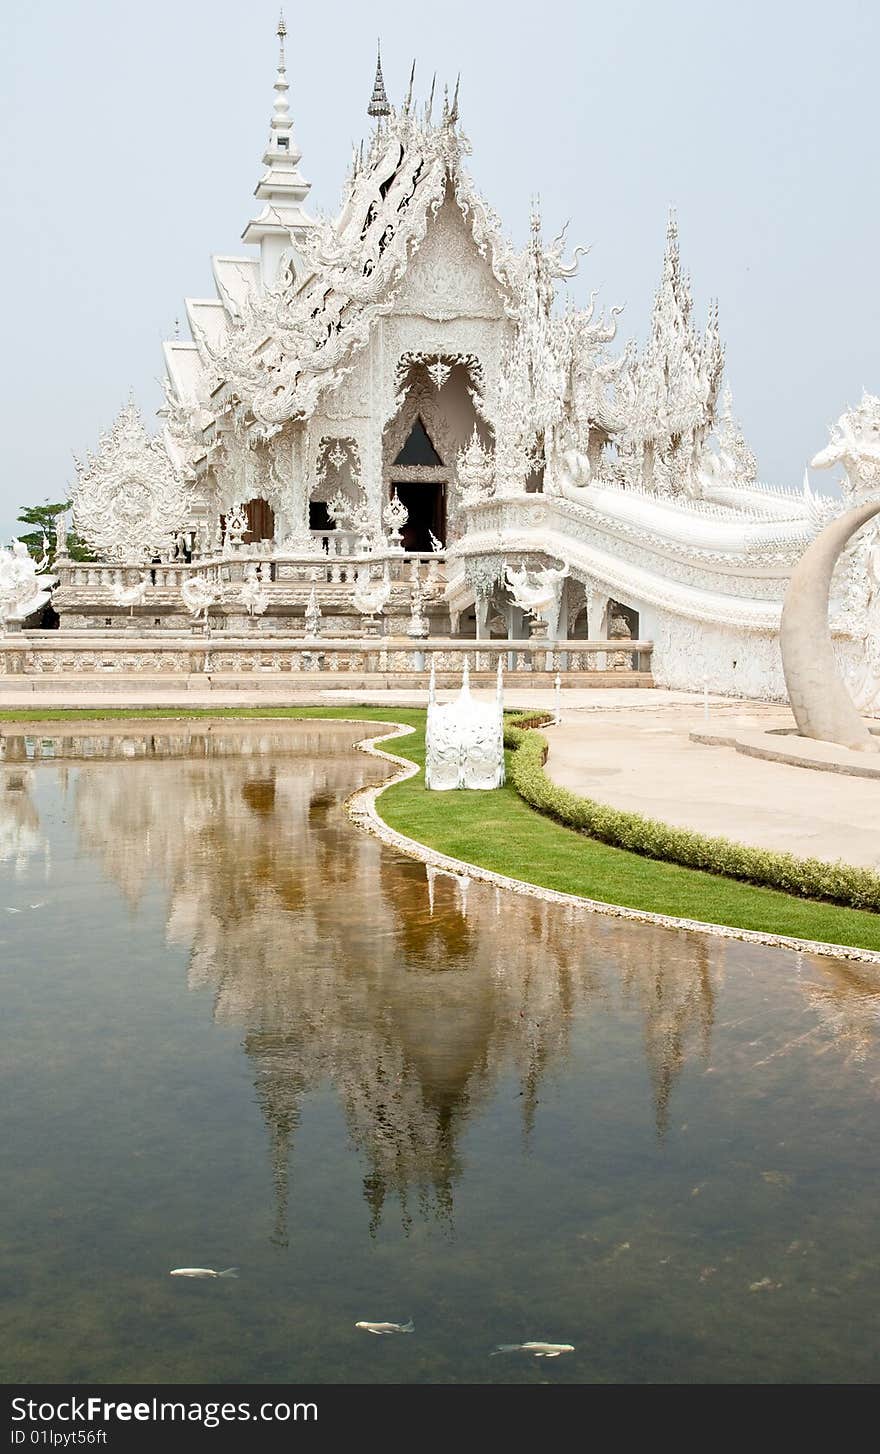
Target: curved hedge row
(810, 878)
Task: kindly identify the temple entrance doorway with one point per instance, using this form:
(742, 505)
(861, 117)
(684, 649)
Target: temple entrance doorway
(424, 440)
(261, 521)
(420, 477)
(426, 506)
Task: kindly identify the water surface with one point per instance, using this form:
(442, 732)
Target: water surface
(237, 1031)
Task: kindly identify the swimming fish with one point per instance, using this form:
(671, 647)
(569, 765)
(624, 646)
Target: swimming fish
(540, 1350)
(202, 1272)
(381, 1329)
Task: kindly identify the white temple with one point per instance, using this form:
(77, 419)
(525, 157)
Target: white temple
(402, 380)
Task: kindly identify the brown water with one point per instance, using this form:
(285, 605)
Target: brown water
(237, 1031)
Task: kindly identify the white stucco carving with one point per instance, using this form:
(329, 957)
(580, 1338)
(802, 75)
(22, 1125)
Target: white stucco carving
(128, 498)
(464, 739)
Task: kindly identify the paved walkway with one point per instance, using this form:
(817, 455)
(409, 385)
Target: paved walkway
(645, 762)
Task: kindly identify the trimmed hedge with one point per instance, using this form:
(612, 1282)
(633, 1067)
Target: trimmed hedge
(809, 878)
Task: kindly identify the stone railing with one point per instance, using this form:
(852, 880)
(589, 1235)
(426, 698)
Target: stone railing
(97, 579)
(389, 660)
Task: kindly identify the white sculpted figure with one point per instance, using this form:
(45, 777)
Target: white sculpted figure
(369, 596)
(199, 595)
(24, 588)
(130, 596)
(252, 593)
(855, 443)
(464, 739)
(536, 592)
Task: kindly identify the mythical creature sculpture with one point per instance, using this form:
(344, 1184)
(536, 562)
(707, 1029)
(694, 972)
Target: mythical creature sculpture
(464, 739)
(536, 592)
(199, 595)
(131, 596)
(573, 476)
(369, 596)
(855, 443)
(24, 586)
(128, 499)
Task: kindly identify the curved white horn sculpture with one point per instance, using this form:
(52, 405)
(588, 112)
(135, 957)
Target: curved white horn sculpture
(822, 706)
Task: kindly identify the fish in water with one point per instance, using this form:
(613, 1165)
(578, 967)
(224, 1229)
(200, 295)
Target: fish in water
(540, 1350)
(381, 1329)
(202, 1272)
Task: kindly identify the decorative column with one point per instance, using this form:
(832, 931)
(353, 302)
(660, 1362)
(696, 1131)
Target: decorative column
(300, 488)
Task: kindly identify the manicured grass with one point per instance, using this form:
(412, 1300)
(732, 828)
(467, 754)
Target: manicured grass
(499, 831)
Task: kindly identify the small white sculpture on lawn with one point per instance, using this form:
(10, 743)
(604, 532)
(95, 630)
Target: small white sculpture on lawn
(464, 739)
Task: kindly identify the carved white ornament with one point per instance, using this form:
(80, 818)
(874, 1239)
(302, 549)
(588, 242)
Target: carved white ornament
(464, 739)
(128, 498)
(536, 592)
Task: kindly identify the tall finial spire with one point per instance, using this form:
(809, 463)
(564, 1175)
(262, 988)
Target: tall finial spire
(282, 187)
(281, 111)
(379, 105)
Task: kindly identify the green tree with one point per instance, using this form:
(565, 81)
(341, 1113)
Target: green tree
(42, 520)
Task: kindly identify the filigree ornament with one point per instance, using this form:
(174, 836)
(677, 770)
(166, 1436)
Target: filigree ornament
(476, 471)
(237, 524)
(395, 516)
(439, 372)
(128, 498)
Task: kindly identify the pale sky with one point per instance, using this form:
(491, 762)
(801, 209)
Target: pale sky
(131, 138)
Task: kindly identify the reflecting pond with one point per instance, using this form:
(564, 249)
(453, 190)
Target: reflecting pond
(239, 1032)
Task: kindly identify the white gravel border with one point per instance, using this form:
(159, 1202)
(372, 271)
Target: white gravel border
(362, 810)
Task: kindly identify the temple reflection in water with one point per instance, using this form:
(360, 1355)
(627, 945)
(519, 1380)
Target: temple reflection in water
(412, 993)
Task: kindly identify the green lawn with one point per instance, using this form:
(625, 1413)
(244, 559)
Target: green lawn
(499, 831)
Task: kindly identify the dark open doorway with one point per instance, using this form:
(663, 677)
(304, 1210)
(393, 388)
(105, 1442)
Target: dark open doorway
(426, 504)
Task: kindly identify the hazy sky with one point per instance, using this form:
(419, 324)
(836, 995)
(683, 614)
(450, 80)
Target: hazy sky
(131, 137)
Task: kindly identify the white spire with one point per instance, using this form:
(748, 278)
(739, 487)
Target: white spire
(282, 188)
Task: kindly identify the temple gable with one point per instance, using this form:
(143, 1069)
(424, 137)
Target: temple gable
(447, 278)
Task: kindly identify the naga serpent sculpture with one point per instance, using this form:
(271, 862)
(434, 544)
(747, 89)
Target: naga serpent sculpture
(822, 706)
